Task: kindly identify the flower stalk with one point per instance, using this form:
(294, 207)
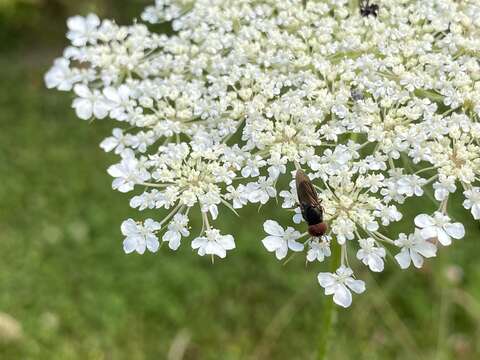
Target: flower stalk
(329, 308)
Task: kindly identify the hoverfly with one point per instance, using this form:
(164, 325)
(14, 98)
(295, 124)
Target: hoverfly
(367, 9)
(310, 205)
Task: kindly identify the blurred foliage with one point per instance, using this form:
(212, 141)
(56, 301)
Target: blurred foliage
(35, 24)
(67, 291)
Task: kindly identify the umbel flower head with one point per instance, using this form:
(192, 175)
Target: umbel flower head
(376, 105)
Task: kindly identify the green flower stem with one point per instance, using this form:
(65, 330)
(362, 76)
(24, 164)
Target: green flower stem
(328, 313)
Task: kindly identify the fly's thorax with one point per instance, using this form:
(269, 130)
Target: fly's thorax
(312, 215)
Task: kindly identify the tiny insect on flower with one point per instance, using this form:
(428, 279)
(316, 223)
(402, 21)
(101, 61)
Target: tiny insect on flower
(367, 9)
(312, 210)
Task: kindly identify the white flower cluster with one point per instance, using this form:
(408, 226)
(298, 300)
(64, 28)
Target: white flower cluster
(376, 106)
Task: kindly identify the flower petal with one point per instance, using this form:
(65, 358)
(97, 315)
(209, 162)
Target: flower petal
(455, 230)
(295, 246)
(423, 220)
(115, 170)
(312, 255)
(129, 245)
(430, 232)
(426, 249)
(227, 242)
(375, 263)
(199, 242)
(76, 23)
(129, 227)
(152, 225)
(326, 279)
(100, 109)
(443, 237)
(109, 144)
(476, 211)
(111, 94)
(82, 90)
(141, 246)
(281, 252)
(171, 236)
(214, 248)
(273, 243)
(273, 228)
(357, 286)
(403, 258)
(152, 243)
(416, 259)
(342, 296)
(83, 108)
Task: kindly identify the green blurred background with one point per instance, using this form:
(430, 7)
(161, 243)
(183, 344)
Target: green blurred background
(67, 291)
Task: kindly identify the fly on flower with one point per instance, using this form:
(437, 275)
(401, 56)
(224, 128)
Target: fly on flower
(312, 210)
(367, 9)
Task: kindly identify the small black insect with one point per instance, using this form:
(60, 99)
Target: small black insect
(312, 210)
(356, 94)
(367, 9)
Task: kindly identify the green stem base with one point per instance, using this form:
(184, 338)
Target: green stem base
(329, 308)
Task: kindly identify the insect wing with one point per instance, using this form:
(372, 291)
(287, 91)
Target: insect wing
(305, 191)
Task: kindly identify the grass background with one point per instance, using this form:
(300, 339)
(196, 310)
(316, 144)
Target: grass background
(67, 291)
